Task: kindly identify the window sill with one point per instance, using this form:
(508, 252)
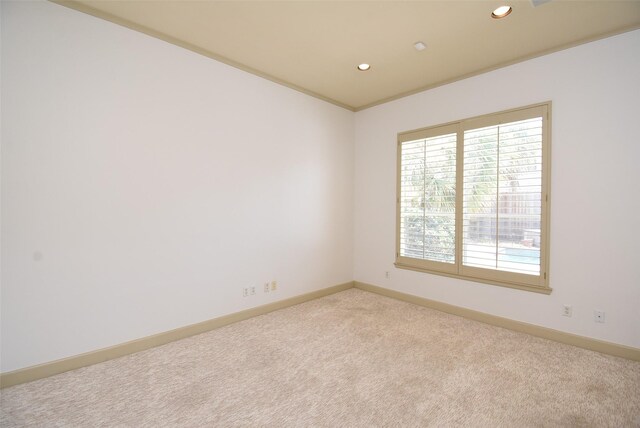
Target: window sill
(532, 288)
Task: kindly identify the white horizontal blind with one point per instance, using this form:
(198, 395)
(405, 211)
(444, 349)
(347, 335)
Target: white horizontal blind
(428, 198)
(502, 197)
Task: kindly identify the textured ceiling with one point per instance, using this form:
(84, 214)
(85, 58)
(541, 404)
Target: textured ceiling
(314, 46)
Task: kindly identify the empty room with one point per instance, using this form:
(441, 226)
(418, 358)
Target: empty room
(319, 213)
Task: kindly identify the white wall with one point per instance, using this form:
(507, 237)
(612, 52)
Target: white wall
(595, 190)
(144, 185)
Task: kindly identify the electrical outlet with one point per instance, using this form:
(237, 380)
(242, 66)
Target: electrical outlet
(567, 310)
(598, 316)
(253, 290)
(266, 287)
(387, 275)
(245, 292)
(274, 285)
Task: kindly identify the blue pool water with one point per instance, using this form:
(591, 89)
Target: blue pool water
(520, 255)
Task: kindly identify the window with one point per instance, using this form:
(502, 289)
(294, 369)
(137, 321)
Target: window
(473, 199)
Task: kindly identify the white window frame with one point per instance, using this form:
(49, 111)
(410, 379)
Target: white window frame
(536, 283)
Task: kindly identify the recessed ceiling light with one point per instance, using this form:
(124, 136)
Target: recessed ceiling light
(501, 12)
(419, 46)
(364, 67)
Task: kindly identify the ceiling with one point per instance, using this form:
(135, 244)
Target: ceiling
(315, 46)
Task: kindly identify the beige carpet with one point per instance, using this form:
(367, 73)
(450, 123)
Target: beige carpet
(350, 359)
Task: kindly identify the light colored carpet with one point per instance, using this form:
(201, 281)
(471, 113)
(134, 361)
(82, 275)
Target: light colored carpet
(350, 359)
